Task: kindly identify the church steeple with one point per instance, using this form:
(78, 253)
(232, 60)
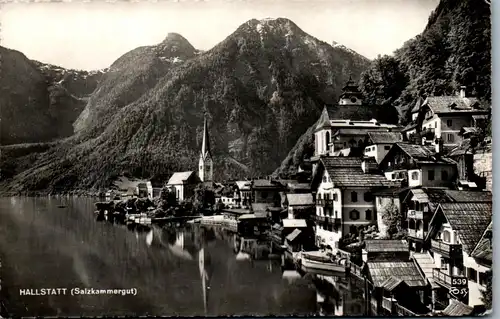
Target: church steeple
(205, 164)
(351, 94)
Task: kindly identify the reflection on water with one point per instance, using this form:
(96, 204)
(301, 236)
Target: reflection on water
(188, 271)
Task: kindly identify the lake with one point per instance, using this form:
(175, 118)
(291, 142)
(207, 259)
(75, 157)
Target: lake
(180, 272)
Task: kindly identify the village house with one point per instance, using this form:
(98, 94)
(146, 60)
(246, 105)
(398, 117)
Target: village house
(242, 193)
(378, 144)
(455, 231)
(266, 191)
(397, 286)
(343, 187)
(300, 206)
(419, 165)
(144, 190)
(420, 205)
(344, 126)
(445, 116)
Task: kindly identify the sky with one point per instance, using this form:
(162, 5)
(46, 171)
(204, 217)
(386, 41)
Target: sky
(93, 34)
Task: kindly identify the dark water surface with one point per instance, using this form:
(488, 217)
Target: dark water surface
(189, 271)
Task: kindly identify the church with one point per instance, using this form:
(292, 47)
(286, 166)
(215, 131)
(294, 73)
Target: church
(184, 183)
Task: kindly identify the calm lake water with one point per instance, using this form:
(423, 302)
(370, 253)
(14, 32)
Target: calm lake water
(186, 272)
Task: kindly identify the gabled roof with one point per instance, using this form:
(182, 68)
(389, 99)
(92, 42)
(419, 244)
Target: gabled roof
(391, 283)
(295, 223)
(469, 220)
(347, 172)
(484, 249)
(243, 185)
(179, 178)
(417, 151)
(385, 245)
(456, 308)
(453, 104)
(385, 137)
(421, 154)
(300, 199)
(265, 183)
(404, 270)
(299, 186)
(409, 126)
(417, 105)
(435, 196)
(293, 235)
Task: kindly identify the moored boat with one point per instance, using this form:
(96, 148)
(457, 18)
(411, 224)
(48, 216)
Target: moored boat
(317, 260)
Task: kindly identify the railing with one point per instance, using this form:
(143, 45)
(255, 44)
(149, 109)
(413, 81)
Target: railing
(415, 214)
(446, 280)
(419, 234)
(404, 312)
(387, 303)
(448, 250)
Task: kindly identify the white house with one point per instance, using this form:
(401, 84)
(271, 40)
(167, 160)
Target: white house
(379, 144)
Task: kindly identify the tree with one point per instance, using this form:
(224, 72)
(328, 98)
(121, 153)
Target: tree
(487, 293)
(204, 198)
(392, 218)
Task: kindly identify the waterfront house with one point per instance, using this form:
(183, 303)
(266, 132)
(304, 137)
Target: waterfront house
(144, 190)
(266, 191)
(419, 165)
(455, 230)
(343, 187)
(243, 193)
(378, 144)
(184, 184)
(420, 205)
(381, 250)
(396, 287)
(445, 116)
(300, 206)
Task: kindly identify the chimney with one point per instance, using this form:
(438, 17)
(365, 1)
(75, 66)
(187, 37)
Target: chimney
(462, 92)
(439, 146)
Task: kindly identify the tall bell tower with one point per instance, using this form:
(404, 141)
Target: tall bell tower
(205, 171)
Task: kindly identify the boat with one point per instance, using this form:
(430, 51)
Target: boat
(318, 260)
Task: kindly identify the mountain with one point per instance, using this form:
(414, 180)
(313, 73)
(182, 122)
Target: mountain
(39, 102)
(261, 88)
(452, 51)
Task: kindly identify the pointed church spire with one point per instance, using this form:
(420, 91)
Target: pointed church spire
(205, 146)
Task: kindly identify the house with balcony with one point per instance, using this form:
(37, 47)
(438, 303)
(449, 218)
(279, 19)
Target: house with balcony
(343, 188)
(242, 193)
(266, 191)
(455, 230)
(420, 204)
(445, 116)
(378, 144)
(419, 165)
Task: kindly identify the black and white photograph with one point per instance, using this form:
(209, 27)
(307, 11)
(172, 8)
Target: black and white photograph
(218, 158)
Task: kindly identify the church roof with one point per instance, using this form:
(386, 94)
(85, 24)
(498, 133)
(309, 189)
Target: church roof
(205, 145)
(179, 178)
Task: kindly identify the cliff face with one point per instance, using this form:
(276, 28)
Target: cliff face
(39, 102)
(260, 88)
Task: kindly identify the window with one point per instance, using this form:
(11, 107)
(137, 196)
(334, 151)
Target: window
(327, 141)
(264, 195)
(368, 214)
(368, 197)
(393, 176)
(387, 147)
(431, 175)
(345, 144)
(388, 164)
(482, 278)
(449, 123)
(472, 274)
(335, 197)
(414, 176)
(444, 264)
(444, 175)
(354, 215)
(446, 236)
(354, 197)
(201, 167)
(324, 179)
(451, 137)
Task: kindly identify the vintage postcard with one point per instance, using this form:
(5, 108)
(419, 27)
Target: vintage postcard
(245, 158)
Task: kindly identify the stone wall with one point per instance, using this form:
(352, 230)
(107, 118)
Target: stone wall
(483, 166)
